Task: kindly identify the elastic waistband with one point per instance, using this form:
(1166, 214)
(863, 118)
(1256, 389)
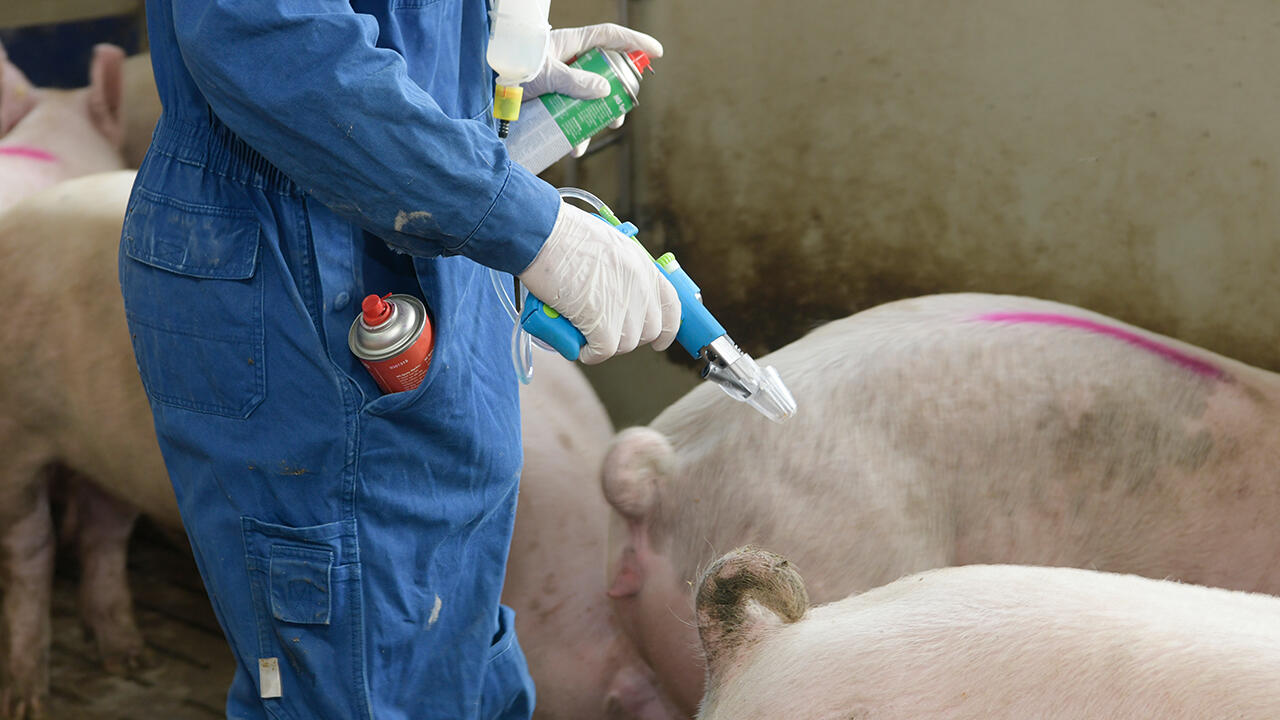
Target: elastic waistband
(212, 145)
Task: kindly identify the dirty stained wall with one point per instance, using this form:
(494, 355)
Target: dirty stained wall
(809, 159)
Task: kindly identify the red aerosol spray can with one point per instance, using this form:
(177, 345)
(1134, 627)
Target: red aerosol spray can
(393, 339)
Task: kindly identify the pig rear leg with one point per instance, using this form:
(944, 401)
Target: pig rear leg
(106, 607)
(28, 552)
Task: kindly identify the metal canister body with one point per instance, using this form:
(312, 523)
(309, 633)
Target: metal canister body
(394, 340)
(551, 125)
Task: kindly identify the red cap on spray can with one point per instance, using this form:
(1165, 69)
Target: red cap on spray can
(393, 339)
(376, 310)
(640, 59)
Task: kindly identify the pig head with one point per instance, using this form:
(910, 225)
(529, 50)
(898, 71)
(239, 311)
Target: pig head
(50, 135)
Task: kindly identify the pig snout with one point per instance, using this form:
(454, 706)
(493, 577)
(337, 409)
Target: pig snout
(741, 596)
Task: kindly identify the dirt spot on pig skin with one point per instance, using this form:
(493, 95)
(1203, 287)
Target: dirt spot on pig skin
(1127, 443)
(566, 442)
(547, 614)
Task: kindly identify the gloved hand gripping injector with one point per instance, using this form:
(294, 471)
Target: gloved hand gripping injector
(700, 334)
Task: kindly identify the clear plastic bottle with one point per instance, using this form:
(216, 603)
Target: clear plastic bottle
(518, 40)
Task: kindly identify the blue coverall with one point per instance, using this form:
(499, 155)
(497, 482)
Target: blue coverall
(358, 541)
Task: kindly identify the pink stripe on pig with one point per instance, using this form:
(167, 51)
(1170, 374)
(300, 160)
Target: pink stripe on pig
(1173, 355)
(28, 152)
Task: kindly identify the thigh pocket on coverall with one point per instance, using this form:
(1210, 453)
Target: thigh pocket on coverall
(508, 688)
(194, 303)
(306, 595)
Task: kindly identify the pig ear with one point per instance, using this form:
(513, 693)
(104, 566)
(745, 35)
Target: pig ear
(4, 62)
(741, 597)
(638, 460)
(106, 92)
(17, 97)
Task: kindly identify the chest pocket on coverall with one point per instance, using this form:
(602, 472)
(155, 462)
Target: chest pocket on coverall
(207, 355)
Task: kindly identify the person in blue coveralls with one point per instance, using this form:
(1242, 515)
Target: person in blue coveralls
(353, 544)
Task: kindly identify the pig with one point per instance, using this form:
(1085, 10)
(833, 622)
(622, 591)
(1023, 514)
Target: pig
(73, 400)
(582, 663)
(81, 403)
(984, 641)
(47, 136)
(951, 430)
(51, 135)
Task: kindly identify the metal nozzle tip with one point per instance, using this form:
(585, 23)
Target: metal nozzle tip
(743, 380)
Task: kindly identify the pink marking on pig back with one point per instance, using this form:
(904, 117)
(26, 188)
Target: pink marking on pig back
(1173, 355)
(28, 152)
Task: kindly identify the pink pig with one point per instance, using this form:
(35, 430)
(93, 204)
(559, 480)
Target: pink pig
(950, 430)
(1001, 642)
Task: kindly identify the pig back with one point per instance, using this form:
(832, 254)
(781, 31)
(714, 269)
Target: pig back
(997, 641)
(931, 432)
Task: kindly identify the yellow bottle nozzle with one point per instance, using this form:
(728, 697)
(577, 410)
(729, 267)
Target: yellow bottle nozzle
(506, 102)
(506, 106)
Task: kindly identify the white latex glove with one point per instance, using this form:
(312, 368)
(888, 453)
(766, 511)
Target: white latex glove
(605, 284)
(568, 43)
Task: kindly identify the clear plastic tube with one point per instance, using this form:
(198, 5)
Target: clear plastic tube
(521, 347)
(522, 354)
(584, 196)
(522, 342)
(500, 288)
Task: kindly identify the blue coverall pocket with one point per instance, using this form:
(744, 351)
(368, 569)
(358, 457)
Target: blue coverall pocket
(194, 303)
(508, 688)
(307, 606)
(300, 584)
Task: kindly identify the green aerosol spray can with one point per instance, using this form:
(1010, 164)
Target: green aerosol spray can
(551, 125)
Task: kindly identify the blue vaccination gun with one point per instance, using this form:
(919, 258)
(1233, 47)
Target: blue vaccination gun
(699, 334)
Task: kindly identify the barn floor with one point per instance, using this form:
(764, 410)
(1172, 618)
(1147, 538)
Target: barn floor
(191, 666)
